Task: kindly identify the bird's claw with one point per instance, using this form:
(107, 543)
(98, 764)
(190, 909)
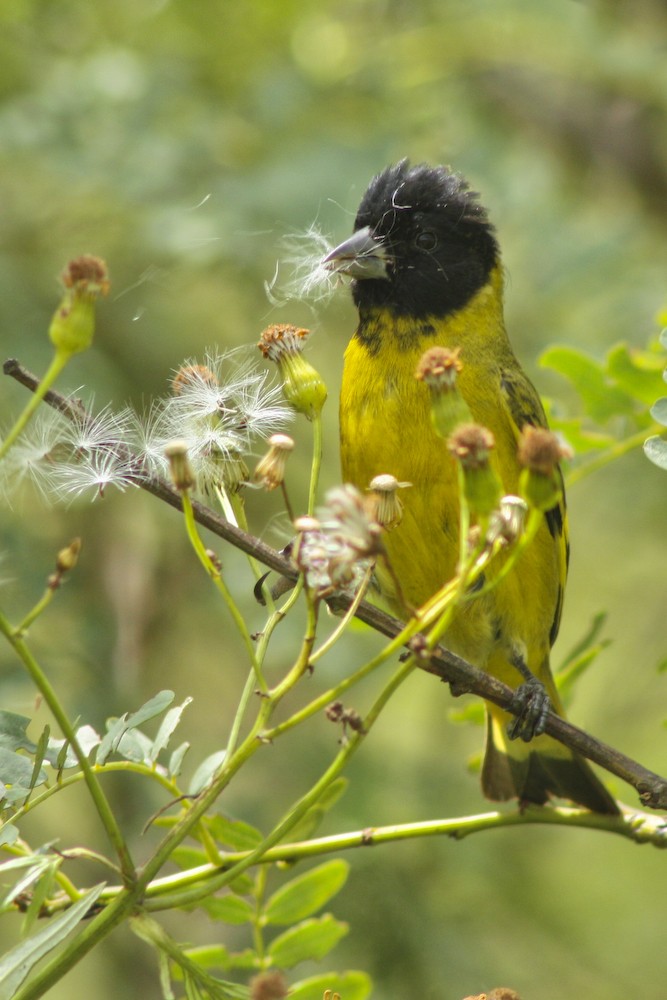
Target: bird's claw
(533, 704)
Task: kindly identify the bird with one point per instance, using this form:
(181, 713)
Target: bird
(425, 269)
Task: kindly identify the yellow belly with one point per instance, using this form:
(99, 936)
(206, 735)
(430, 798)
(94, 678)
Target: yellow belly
(386, 428)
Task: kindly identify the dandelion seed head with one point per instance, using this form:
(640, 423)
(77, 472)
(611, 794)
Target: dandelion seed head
(219, 408)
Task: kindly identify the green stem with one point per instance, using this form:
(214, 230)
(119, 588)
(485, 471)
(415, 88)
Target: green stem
(221, 586)
(35, 612)
(94, 788)
(615, 451)
(316, 463)
(58, 362)
(346, 619)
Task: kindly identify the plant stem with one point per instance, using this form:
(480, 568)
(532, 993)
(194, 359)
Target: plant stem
(94, 788)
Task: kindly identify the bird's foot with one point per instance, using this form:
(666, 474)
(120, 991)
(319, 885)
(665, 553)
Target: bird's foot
(533, 704)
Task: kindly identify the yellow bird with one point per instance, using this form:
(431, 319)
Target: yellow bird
(426, 271)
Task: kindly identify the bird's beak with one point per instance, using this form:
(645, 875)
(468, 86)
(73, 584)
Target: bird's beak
(362, 256)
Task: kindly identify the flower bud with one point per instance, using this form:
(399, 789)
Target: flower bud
(540, 482)
(270, 470)
(471, 445)
(68, 557)
(73, 323)
(302, 385)
(439, 368)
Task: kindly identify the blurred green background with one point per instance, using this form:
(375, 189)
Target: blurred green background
(182, 141)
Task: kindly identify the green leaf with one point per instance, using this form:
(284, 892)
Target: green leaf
(216, 956)
(16, 770)
(118, 727)
(601, 399)
(349, 985)
(639, 373)
(659, 411)
(176, 760)
(579, 438)
(306, 894)
(36, 865)
(8, 834)
(313, 939)
(18, 962)
(230, 909)
(309, 823)
(166, 730)
(205, 771)
(209, 956)
(655, 449)
(135, 746)
(13, 734)
(41, 892)
(235, 834)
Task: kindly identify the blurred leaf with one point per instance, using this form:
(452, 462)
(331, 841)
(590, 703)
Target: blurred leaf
(579, 438)
(306, 894)
(167, 727)
(205, 771)
(135, 746)
(350, 986)
(580, 658)
(186, 856)
(19, 961)
(587, 640)
(176, 760)
(36, 865)
(216, 956)
(655, 449)
(13, 734)
(230, 909)
(118, 727)
(601, 399)
(8, 834)
(235, 834)
(313, 939)
(16, 770)
(659, 411)
(638, 373)
(310, 822)
(40, 892)
(40, 750)
(473, 712)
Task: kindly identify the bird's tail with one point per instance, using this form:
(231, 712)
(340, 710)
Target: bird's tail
(531, 772)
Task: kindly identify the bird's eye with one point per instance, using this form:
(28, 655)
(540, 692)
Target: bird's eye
(426, 240)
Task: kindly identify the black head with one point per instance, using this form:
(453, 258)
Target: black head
(424, 243)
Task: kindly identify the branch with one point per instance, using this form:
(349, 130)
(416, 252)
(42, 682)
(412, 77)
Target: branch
(452, 669)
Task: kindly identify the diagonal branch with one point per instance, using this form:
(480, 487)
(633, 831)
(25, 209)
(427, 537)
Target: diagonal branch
(463, 676)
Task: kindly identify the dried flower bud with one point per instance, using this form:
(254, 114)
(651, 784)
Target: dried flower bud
(182, 475)
(383, 504)
(268, 986)
(189, 375)
(73, 323)
(471, 446)
(439, 368)
(539, 453)
(270, 470)
(302, 384)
